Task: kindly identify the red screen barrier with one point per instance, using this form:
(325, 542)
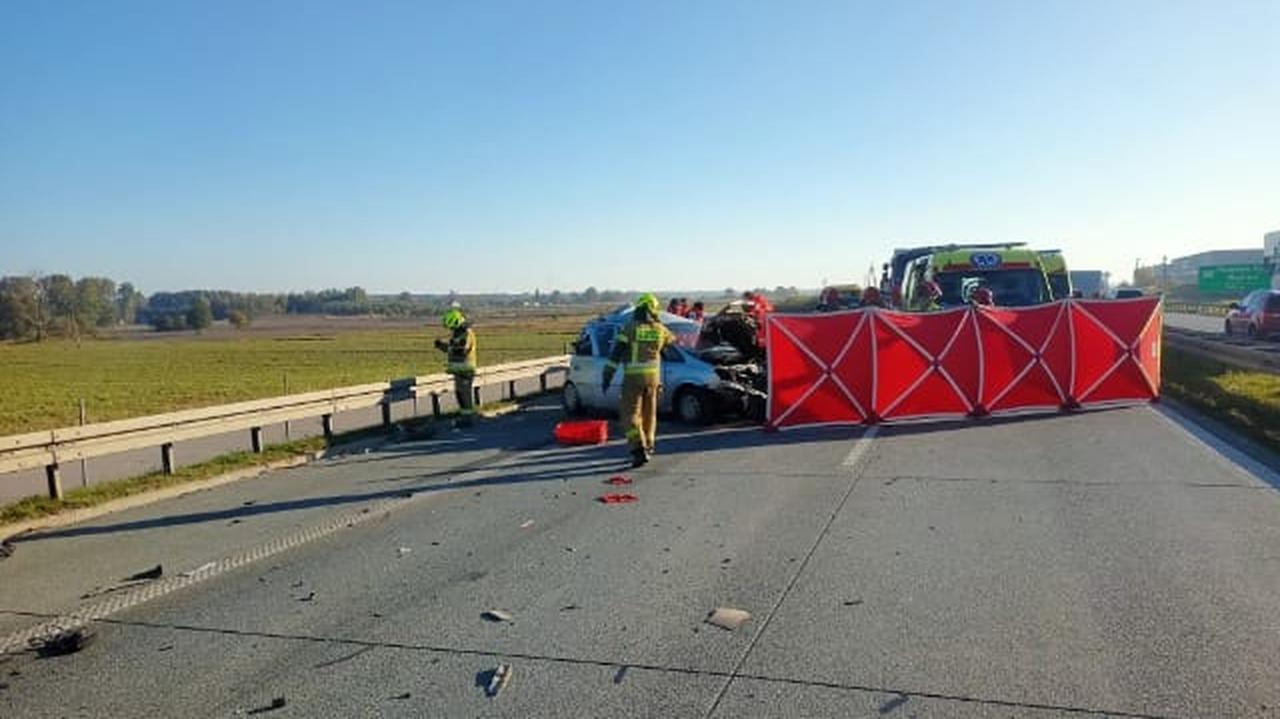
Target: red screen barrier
(876, 365)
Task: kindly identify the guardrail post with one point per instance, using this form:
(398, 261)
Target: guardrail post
(435, 405)
(54, 478)
(477, 396)
(167, 460)
(386, 413)
(326, 421)
(511, 389)
(542, 382)
(255, 439)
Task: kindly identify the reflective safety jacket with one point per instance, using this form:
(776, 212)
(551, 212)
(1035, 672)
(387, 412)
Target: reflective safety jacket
(460, 351)
(638, 347)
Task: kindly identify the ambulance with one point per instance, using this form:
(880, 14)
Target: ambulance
(1015, 276)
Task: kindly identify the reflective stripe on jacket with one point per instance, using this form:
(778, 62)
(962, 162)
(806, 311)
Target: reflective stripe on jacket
(638, 346)
(462, 351)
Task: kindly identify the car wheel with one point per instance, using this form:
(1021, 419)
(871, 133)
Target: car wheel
(1226, 330)
(692, 407)
(571, 400)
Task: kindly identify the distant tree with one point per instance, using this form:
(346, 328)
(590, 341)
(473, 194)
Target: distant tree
(95, 303)
(128, 301)
(19, 311)
(591, 295)
(60, 302)
(238, 319)
(555, 298)
(200, 315)
(730, 292)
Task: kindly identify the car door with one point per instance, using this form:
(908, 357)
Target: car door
(582, 368)
(1239, 317)
(604, 346)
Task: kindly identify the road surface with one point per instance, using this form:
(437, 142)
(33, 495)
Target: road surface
(1199, 323)
(1106, 563)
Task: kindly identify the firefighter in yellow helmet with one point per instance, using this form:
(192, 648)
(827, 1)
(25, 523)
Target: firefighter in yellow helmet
(637, 347)
(460, 351)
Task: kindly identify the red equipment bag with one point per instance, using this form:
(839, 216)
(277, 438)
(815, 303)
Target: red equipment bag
(593, 431)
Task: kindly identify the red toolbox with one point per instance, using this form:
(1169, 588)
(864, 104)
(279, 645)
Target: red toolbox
(592, 431)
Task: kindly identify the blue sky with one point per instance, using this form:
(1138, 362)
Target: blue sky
(489, 146)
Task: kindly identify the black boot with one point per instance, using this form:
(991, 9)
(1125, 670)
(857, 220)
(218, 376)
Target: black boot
(639, 457)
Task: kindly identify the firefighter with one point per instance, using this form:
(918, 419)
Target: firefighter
(983, 296)
(638, 348)
(460, 352)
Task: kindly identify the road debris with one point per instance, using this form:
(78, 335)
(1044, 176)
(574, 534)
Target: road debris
(499, 681)
(277, 703)
(617, 480)
(853, 602)
(401, 551)
(728, 618)
(406, 695)
(497, 615)
(198, 570)
(309, 598)
(154, 573)
(621, 674)
(568, 607)
(67, 641)
(526, 524)
(622, 498)
(894, 703)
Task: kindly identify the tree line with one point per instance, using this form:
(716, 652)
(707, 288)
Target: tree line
(35, 307)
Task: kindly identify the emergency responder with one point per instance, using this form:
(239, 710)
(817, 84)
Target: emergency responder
(638, 348)
(871, 297)
(698, 312)
(460, 353)
(930, 298)
(983, 296)
(673, 307)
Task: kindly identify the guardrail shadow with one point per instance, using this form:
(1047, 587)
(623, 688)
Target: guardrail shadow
(558, 464)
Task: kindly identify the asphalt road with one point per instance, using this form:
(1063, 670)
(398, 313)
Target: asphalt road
(1199, 323)
(1105, 563)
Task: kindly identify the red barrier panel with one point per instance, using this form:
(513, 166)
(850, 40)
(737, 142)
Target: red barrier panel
(873, 365)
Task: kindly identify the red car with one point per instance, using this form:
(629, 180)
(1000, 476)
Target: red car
(1258, 315)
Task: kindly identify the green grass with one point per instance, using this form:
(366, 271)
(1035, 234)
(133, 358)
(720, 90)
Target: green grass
(34, 507)
(41, 383)
(1248, 401)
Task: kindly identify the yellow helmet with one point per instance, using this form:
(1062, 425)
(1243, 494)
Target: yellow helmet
(453, 319)
(650, 301)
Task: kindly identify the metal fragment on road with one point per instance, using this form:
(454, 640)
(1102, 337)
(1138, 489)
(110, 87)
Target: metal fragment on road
(526, 524)
(617, 480)
(400, 552)
(728, 618)
(499, 681)
(497, 615)
(68, 641)
(277, 703)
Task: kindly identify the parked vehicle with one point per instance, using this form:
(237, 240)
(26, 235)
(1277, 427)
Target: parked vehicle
(1127, 293)
(697, 385)
(894, 281)
(1055, 268)
(1257, 315)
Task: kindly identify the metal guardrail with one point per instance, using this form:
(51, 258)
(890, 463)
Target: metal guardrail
(1196, 308)
(50, 448)
(1211, 348)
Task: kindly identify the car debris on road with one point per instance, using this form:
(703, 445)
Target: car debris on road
(499, 680)
(67, 641)
(497, 615)
(728, 618)
(622, 498)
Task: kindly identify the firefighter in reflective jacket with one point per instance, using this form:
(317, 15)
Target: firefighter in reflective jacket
(460, 351)
(638, 349)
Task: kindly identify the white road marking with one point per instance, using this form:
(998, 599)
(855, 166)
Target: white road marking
(860, 447)
(1230, 457)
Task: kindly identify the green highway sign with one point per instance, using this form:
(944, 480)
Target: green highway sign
(1234, 278)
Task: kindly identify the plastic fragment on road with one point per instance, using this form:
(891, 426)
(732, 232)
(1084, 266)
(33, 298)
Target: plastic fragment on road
(309, 598)
(526, 524)
(400, 552)
(617, 480)
(277, 703)
(497, 615)
(728, 618)
(499, 681)
(592, 431)
(154, 573)
(67, 641)
(622, 498)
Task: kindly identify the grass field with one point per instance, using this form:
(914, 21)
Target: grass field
(131, 374)
(1248, 401)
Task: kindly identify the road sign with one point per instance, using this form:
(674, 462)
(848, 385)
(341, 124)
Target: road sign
(1234, 278)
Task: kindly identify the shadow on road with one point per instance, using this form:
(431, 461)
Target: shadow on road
(557, 464)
